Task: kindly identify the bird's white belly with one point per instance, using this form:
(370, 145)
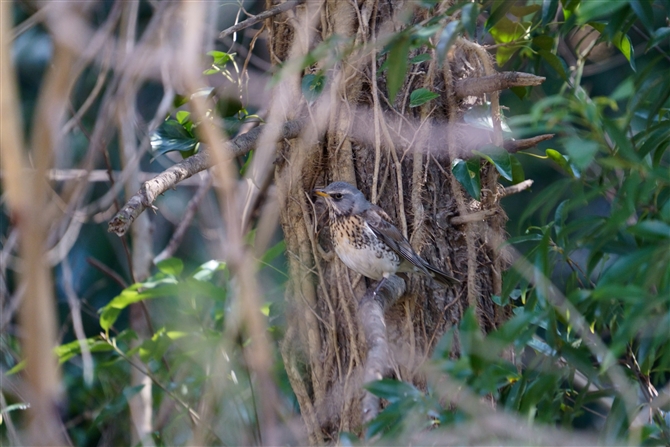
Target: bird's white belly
(366, 261)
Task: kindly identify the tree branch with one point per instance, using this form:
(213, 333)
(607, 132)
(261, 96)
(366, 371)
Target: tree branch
(515, 189)
(283, 7)
(377, 363)
(514, 146)
(493, 83)
(151, 189)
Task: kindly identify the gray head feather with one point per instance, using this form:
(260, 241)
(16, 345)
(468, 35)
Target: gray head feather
(344, 199)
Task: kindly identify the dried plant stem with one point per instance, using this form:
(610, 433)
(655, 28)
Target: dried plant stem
(26, 200)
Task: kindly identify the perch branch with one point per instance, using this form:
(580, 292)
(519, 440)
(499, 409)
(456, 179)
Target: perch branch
(494, 83)
(514, 146)
(283, 7)
(377, 363)
(169, 178)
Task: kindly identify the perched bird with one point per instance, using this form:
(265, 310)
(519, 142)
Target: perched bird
(366, 241)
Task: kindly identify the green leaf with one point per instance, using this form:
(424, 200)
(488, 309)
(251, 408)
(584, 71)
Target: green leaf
(467, 174)
(312, 85)
(651, 229)
(498, 157)
(589, 10)
(658, 36)
(421, 96)
(581, 152)
(549, 9)
(481, 118)
(560, 160)
(397, 65)
(508, 32)
(518, 175)
(173, 136)
(498, 11)
(522, 11)
(543, 42)
(206, 271)
(273, 252)
(447, 38)
(171, 266)
(420, 58)
(130, 295)
(623, 43)
(16, 368)
(469, 14)
(393, 390)
(644, 12)
(556, 63)
(183, 116)
(116, 405)
(623, 143)
(221, 58)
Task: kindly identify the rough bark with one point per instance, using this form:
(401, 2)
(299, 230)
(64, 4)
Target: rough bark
(389, 151)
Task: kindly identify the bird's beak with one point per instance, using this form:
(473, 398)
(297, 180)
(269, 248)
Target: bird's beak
(320, 192)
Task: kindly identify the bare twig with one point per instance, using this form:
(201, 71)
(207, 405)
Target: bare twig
(260, 17)
(150, 190)
(107, 271)
(494, 83)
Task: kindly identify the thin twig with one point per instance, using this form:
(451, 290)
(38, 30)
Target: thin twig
(107, 271)
(185, 221)
(260, 17)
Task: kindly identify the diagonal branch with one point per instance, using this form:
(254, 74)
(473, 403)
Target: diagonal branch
(151, 189)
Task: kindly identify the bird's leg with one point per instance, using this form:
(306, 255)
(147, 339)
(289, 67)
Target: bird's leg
(379, 286)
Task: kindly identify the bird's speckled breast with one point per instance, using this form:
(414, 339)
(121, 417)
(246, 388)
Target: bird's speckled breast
(359, 248)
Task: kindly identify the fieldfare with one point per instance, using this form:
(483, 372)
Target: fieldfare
(366, 241)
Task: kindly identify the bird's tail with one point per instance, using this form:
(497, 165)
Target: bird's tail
(441, 277)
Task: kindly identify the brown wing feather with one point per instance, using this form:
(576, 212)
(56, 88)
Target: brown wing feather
(378, 221)
(393, 237)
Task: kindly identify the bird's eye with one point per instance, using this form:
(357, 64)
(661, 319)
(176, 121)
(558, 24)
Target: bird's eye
(337, 196)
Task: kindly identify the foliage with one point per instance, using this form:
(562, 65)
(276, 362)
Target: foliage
(592, 348)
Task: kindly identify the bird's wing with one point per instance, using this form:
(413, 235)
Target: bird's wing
(378, 221)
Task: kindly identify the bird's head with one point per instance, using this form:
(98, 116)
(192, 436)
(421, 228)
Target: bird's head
(343, 199)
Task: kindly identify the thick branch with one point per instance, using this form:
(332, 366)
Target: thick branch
(283, 7)
(496, 82)
(377, 363)
(169, 178)
(514, 146)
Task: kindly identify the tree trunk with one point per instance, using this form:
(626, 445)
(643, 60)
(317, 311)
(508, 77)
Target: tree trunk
(400, 159)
